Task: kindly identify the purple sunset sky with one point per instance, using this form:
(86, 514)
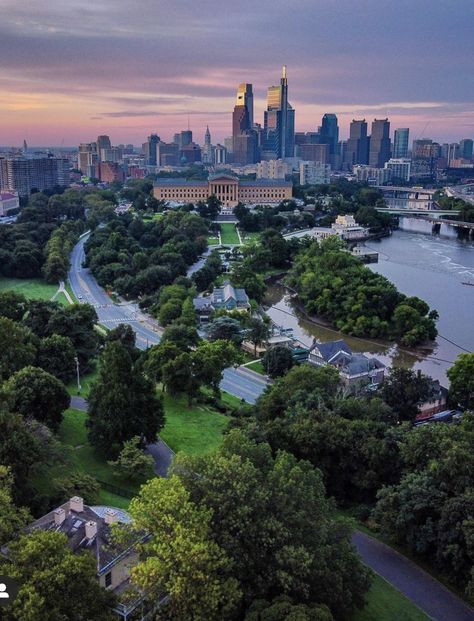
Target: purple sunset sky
(73, 70)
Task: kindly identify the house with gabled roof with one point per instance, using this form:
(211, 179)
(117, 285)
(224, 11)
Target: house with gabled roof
(355, 369)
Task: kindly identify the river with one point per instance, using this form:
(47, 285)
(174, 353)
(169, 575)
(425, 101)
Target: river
(418, 263)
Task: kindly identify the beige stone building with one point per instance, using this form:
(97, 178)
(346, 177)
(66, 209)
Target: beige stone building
(228, 189)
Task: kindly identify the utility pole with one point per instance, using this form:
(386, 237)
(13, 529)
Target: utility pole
(78, 374)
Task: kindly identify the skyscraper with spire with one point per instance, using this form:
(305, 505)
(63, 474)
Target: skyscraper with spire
(279, 122)
(207, 149)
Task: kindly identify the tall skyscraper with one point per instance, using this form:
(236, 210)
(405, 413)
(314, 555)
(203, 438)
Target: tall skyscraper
(244, 138)
(357, 146)
(150, 154)
(379, 151)
(103, 145)
(279, 122)
(87, 159)
(400, 143)
(207, 149)
(245, 98)
(329, 134)
(466, 148)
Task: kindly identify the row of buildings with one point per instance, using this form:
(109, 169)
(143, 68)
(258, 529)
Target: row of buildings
(22, 174)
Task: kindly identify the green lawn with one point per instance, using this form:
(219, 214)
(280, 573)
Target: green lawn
(385, 603)
(32, 288)
(212, 240)
(82, 457)
(86, 382)
(249, 237)
(229, 233)
(197, 429)
(256, 366)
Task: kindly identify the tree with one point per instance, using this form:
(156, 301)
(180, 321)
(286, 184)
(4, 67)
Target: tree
(17, 350)
(38, 394)
(210, 359)
(403, 390)
(56, 355)
(461, 376)
(188, 313)
(257, 332)
(270, 516)
(77, 322)
(132, 462)
(181, 558)
(125, 334)
(79, 484)
(225, 328)
(283, 609)
(19, 450)
(170, 311)
(13, 305)
(55, 583)
(122, 403)
(12, 518)
(277, 361)
(184, 337)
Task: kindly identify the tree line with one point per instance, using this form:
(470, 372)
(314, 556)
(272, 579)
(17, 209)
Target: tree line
(333, 284)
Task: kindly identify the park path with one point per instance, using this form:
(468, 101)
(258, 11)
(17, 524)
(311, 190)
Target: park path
(159, 450)
(62, 289)
(423, 590)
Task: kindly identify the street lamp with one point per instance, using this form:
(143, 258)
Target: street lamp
(77, 374)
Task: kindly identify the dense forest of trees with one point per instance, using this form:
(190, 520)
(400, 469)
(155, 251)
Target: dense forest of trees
(337, 286)
(136, 258)
(415, 483)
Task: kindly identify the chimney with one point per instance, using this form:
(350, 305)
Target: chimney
(76, 504)
(110, 516)
(91, 529)
(59, 516)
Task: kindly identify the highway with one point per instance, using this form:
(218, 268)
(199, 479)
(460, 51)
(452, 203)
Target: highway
(240, 382)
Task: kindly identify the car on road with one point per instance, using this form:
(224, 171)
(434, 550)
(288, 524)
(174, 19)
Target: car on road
(79, 297)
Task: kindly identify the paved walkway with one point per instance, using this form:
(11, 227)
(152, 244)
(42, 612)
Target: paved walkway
(160, 451)
(428, 594)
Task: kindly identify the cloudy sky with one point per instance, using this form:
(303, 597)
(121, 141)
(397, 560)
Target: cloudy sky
(72, 70)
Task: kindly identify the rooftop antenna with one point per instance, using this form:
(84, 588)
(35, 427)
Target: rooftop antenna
(188, 121)
(284, 72)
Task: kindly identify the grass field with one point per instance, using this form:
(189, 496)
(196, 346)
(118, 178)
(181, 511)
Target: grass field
(195, 430)
(249, 237)
(229, 233)
(384, 603)
(256, 366)
(82, 457)
(212, 240)
(32, 288)
(86, 382)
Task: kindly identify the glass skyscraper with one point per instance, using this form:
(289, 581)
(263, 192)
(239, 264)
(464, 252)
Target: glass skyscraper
(279, 122)
(400, 143)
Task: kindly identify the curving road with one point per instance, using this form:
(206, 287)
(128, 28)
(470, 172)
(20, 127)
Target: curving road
(240, 382)
(423, 590)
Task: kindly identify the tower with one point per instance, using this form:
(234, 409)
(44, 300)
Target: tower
(244, 138)
(400, 143)
(379, 152)
(279, 122)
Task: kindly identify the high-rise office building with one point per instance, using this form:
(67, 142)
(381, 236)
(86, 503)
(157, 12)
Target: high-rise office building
(279, 122)
(400, 168)
(466, 148)
(400, 143)
(357, 146)
(207, 149)
(150, 155)
(245, 98)
(379, 150)
(24, 174)
(103, 144)
(88, 159)
(184, 138)
(244, 138)
(329, 134)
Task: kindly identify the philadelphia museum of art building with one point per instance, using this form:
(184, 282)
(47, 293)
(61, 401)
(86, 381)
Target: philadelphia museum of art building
(228, 189)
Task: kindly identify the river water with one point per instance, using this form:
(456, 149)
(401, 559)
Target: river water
(418, 263)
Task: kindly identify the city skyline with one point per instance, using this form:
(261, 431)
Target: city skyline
(73, 72)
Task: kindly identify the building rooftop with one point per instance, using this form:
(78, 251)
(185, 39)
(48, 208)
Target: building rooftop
(87, 529)
(278, 183)
(5, 196)
(330, 349)
(180, 181)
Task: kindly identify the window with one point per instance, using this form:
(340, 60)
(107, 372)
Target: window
(108, 580)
